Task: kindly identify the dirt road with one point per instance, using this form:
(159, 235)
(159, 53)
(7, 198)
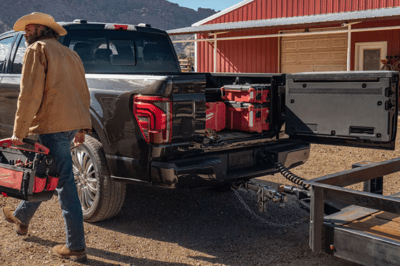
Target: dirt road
(191, 227)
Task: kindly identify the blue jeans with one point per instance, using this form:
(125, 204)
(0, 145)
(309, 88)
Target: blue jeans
(59, 145)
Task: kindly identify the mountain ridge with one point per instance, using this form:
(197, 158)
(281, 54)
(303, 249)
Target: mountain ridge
(160, 14)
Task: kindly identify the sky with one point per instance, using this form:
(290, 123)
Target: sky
(217, 5)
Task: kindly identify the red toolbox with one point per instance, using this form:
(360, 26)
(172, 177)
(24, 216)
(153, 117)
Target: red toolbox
(215, 116)
(27, 174)
(247, 117)
(246, 93)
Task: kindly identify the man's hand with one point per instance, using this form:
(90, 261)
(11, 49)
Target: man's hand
(79, 139)
(16, 141)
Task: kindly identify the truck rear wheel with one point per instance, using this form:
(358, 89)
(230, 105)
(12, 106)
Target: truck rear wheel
(101, 197)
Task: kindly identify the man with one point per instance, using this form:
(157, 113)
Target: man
(53, 103)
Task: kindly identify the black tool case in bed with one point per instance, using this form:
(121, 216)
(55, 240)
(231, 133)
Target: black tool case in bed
(25, 173)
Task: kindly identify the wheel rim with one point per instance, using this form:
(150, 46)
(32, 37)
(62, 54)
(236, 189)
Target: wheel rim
(85, 177)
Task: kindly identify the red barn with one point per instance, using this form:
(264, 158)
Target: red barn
(286, 36)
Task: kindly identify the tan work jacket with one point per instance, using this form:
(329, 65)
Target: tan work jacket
(54, 96)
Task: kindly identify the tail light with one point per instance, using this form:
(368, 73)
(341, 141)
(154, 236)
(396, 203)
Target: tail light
(154, 117)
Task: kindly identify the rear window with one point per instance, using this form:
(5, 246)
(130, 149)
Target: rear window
(124, 52)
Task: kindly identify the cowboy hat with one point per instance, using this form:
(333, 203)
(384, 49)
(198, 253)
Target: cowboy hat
(40, 19)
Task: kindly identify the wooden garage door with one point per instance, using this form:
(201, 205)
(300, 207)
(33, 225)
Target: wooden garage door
(314, 53)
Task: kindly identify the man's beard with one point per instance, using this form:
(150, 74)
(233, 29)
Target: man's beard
(33, 38)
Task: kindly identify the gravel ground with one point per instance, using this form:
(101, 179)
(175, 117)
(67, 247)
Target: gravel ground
(191, 227)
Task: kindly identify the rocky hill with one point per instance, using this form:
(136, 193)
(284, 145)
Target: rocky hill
(159, 13)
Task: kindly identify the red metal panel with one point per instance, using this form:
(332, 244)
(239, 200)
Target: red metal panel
(290, 8)
(348, 6)
(362, 4)
(317, 4)
(335, 7)
(239, 50)
(256, 10)
(251, 56)
(295, 8)
(342, 5)
(306, 7)
(311, 7)
(263, 7)
(259, 9)
(269, 9)
(284, 8)
(266, 9)
(369, 4)
(329, 6)
(354, 6)
(278, 8)
(323, 7)
(274, 8)
(264, 52)
(273, 54)
(245, 12)
(301, 8)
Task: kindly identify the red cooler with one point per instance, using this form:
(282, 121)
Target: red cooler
(247, 117)
(246, 93)
(215, 116)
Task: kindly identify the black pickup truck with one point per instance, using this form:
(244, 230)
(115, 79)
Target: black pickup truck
(149, 118)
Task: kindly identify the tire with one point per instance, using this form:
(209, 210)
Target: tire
(101, 197)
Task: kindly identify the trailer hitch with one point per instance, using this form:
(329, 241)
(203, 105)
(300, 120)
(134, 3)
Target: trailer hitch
(303, 195)
(264, 194)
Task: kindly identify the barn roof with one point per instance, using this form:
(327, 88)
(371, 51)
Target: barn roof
(223, 12)
(290, 21)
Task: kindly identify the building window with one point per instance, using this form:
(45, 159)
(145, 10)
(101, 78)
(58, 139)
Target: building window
(368, 55)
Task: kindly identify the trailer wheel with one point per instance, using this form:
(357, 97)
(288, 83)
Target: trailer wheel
(101, 197)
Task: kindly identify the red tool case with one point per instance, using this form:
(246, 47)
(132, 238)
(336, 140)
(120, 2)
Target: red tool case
(247, 117)
(215, 116)
(27, 174)
(256, 93)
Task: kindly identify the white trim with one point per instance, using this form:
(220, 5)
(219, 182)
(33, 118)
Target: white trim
(361, 46)
(195, 54)
(348, 68)
(279, 53)
(215, 54)
(292, 34)
(223, 12)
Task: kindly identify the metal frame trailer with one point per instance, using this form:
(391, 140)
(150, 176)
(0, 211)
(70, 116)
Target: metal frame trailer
(366, 229)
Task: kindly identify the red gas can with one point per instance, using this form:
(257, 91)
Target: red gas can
(247, 117)
(215, 116)
(246, 93)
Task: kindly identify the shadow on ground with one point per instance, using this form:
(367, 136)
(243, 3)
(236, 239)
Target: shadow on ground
(212, 222)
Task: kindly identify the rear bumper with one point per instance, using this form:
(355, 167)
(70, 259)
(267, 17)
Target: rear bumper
(212, 169)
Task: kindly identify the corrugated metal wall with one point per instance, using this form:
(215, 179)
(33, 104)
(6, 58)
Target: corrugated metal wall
(240, 56)
(261, 55)
(265, 9)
